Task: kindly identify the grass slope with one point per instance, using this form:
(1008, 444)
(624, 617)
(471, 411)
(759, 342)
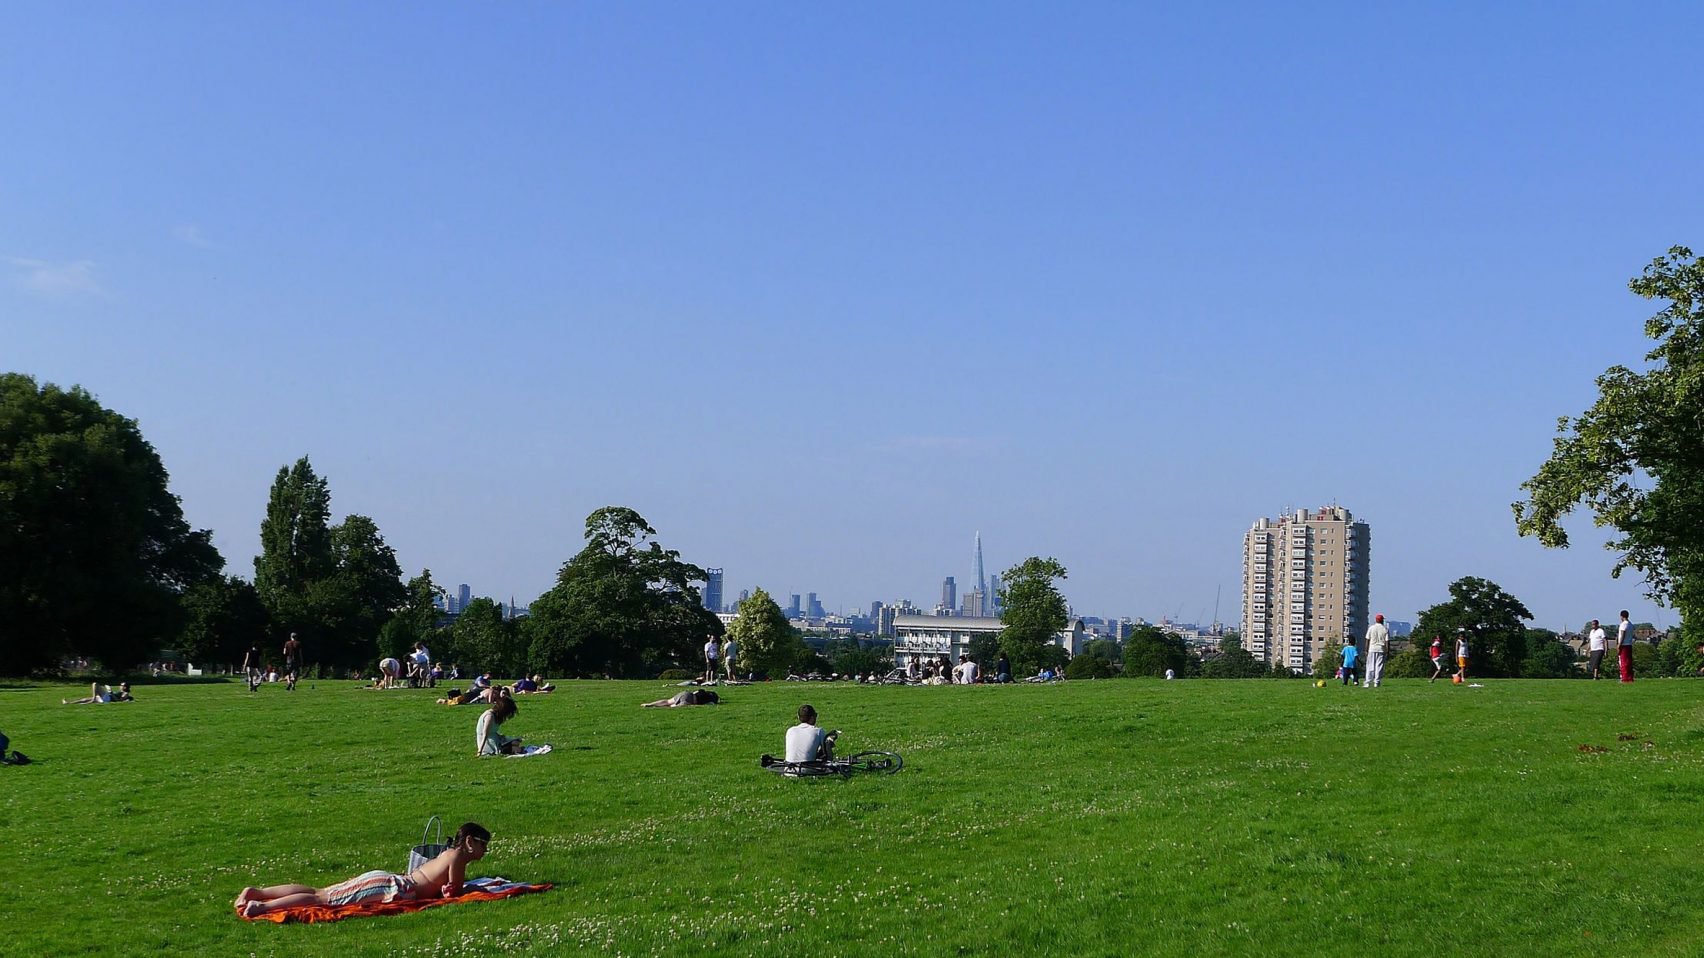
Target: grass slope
(1089, 818)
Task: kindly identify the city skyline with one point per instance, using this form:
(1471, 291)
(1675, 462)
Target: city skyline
(1100, 284)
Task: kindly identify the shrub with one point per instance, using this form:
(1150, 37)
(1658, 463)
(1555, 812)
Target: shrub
(1089, 667)
(678, 675)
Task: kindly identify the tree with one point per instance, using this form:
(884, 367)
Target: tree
(417, 621)
(486, 642)
(222, 617)
(850, 657)
(295, 548)
(1233, 662)
(1107, 649)
(1492, 619)
(95, 554)
(768, 643)
(1636, 457)
(1329, 661)
(623, 606)
(1548, 657)
(362, 593)
(1150, 650)
(1090, 667)
(1034, 613)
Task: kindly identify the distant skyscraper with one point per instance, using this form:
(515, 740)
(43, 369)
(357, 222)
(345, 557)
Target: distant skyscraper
(949, 597)
(1304, 585)
(813, 608)
(464, 595)
(996, 601)
(974, 603)
(713, 590)
(981, 580)
(794, 610)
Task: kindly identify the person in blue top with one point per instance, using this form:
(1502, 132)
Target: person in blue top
(1351, 655)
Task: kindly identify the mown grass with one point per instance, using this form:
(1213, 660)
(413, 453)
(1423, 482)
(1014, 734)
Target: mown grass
(1089, 818)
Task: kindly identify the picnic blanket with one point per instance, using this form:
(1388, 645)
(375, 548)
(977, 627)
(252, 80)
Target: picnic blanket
(528, 751)
(477, 889)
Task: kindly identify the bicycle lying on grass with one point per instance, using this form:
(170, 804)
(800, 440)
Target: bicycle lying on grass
(882, 763)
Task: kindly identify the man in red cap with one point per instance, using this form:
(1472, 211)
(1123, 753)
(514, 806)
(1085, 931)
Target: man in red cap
(1378, 639)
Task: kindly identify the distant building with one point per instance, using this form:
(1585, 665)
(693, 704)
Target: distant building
(974, 605)
(949, 595)
(932, 637)
(795, 610)
(813, 608)
(464, 595)
(1304, 585)
(713, 590)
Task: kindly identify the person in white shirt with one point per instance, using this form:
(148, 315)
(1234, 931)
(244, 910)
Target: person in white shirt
(1462, 653)
(419, 665)
(808, 743)
(1595, 642)
(1624, 646)
(711, 650)
(966, 671)
(1378, 640)
(730, 649)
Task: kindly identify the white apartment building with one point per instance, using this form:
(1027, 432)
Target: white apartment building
(940, 638)
(1304, 585)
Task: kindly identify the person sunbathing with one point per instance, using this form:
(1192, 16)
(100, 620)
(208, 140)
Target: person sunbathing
(100, 694)
(688, 697)
(439, 878)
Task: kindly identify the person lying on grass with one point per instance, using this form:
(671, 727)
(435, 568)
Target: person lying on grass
(100, 694)
(439, 878)
(490, 740)
(689, 697)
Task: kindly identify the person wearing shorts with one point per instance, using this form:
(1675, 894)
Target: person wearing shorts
(711, 653)
(1437, 657)
(390, 672)
(253, 666)
(1461, 654)
(292, 662)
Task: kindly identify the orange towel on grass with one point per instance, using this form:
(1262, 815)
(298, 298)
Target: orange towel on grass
(310, 914)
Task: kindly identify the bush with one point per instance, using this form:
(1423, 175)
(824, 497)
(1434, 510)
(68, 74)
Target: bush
(678, 675)
(1089, 667)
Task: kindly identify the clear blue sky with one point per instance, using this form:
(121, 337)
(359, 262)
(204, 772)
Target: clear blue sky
(823, 290)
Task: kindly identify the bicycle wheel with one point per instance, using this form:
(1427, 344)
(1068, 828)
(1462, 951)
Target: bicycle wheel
(885, 763)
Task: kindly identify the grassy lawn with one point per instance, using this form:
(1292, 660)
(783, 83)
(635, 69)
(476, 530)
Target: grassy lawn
(1090, 818)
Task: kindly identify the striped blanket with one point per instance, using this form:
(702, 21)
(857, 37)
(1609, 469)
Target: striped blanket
(476, 889)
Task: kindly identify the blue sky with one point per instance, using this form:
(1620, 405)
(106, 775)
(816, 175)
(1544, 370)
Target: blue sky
(823, 291)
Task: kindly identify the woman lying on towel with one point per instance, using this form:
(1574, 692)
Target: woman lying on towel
(439, 878)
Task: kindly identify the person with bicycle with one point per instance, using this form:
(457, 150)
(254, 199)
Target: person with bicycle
(806, 742)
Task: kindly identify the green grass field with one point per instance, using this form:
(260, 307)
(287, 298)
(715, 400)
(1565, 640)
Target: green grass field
(1089, 818)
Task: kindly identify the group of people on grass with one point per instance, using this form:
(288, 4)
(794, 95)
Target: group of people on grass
(1596, 640)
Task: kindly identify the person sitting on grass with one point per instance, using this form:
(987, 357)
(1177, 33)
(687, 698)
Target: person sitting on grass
(808, 743)
(439, 878)
(491, 741)
(688, 697)
(101, 694)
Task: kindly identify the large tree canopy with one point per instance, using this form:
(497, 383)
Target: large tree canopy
(1636, 457)
(1492, 620)
(94, 550)
(623, 606)
(768, 643)
(1034, 613)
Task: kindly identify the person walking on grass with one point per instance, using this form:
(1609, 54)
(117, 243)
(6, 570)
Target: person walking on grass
(1624, 646)
(1462, 652)
(1351, 655)
(441, 877)
(253, 666)
(1595, 639)
(292, 662)
(1437, 657)
(1378, 640)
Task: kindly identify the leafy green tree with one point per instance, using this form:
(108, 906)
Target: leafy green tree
(1330, 660)
(362, 593)
(1150, 650)
(1107, 649)
(768, 642)
(1548, 657)
(850, 657)
(623, 606)
(222, 616)
(1493, 618)
(486, 642)
(1636, 457)
(1090, 667)
(295, 549)
(1233, 662)
(984, 649)
(1411, 663)
(1034, 613)
(95, 554)
(417, 621)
